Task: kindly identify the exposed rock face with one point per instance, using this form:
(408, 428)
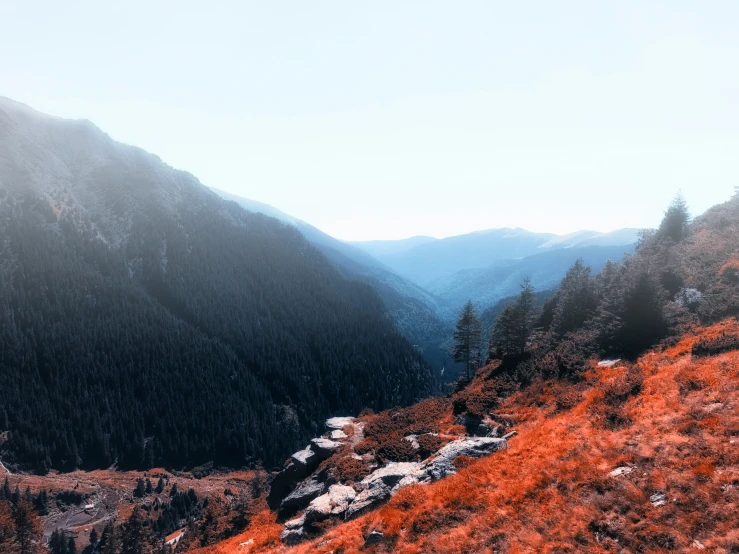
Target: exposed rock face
(335, 502)
(301, 464)
(339, 422)
(324, 448)
(381, 484)
(302, 495)
(304, 457)
(440, 466)
(294, 533)
(337, 435)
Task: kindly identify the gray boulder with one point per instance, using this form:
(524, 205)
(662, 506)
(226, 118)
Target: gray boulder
(293, 532)
(381, 484)
(440, 465)
(334, 503)
(304, 457)
(375, 537)
(324, 448)
(339, 422)
(303, 494)
(337, 435)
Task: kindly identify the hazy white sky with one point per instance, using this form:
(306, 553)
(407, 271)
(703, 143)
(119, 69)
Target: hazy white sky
(390, 119)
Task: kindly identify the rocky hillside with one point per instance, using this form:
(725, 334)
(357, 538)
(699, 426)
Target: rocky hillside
(640, 456)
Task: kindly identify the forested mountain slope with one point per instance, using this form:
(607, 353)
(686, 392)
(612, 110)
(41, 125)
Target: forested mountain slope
(415, 311)
(147, 321)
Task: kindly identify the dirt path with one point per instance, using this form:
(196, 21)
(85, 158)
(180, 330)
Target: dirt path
(7, 471)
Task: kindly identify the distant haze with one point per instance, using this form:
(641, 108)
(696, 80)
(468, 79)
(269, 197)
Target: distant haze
(396, 119)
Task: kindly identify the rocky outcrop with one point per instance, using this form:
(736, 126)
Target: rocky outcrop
(303, 494)
(326, 499)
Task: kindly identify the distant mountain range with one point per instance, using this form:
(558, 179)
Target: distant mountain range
(427, 261)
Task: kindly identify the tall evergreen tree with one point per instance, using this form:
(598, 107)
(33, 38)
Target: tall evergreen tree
(136, 536)
(110, 540)
(576, 299)
(8, 542)
(525, 314)
(27, 528)
(677, 217)
(466, 348)
(5, 493)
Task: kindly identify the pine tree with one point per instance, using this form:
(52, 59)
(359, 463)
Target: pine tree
(576, 299)
(93, 537)
(5, 493)
(110, 540)
(140, 490)
(136, 536)
(149, 488)
(677, 217)
(160, 485)
(524, 314)
(27, 528)
(467, 338)
(8, 543)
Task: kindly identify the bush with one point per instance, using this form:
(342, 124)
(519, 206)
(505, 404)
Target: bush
(430, 444)
(725, 342)
(395, 448)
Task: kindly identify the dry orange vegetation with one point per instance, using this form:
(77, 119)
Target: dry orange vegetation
(671, 418)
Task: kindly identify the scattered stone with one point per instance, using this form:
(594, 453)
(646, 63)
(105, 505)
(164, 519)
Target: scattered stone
(623, 470)
(303, 494)
(488, 428)
(293, 536)
(324, 448)
(337, 435)
(658, 499)
(339, 422)
(710, 408)
(608, 363)
(413, 439)
(296, 523)
(698, 545)
(510, 435)
(334, 502)
(247, 543)
(375, 537)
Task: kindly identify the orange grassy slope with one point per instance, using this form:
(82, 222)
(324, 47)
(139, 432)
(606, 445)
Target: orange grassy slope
(671, 419)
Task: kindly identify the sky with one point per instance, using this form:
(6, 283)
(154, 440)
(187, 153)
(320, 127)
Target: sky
(388, 119)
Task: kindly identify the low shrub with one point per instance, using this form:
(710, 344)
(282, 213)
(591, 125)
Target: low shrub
(725, 342)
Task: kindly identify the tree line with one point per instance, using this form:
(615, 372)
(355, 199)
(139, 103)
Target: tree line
(627, 308)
